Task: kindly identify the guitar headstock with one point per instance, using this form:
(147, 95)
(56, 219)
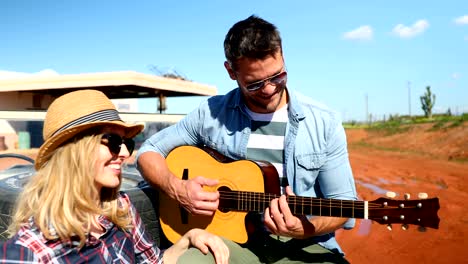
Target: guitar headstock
(421, 212)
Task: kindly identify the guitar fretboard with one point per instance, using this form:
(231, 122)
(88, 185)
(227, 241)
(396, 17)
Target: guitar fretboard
(258, 202)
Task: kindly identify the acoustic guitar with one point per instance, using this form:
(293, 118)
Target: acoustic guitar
(246, 186)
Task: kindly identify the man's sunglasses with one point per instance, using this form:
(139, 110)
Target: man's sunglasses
(276, 79)
(114, 143)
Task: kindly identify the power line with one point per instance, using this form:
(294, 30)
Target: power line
(367, 108)
(409, 98)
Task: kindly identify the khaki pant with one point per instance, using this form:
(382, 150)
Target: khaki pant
(273, 251)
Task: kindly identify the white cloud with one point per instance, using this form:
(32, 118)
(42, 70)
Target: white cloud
(463, 20)
(361, 33)
(455, 75)
(5, 75)
(410, 31)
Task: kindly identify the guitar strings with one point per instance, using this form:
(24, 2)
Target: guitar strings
(256, 197)
(292, 199)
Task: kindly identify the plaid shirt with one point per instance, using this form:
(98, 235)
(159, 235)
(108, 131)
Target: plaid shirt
(114, 245)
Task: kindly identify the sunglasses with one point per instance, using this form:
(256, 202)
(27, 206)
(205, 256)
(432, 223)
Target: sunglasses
(114, 143)
(276, 79)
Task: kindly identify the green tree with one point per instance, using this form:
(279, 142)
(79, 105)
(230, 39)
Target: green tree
(427, 102)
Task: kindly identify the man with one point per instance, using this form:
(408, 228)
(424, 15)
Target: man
(263, 119)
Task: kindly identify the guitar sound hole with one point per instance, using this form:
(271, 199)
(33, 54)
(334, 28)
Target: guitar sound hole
(224, 202)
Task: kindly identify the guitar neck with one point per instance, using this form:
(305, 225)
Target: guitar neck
(258, 202)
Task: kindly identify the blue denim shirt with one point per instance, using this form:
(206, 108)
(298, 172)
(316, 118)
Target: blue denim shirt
(315, 150)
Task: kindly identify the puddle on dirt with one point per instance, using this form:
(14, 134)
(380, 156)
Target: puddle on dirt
(441, 185)
(398, 181)
(380, 181)
(384, 181)
(372, 187)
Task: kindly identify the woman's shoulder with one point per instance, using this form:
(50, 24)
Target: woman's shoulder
(13, 252)
(19, 248)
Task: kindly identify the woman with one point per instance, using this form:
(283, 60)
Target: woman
(71, 211)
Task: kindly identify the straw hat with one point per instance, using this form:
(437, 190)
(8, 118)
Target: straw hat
(76, 112)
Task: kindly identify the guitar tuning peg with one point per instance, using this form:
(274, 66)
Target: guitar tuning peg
(404, 227)
(422, 229)
(407, 196)
(391, 194)
(389, 227)
(422, 195)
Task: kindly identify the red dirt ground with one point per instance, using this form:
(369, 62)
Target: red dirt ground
(418, 160)
(426, 163)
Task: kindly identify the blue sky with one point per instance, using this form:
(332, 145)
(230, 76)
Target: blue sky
(337, 52)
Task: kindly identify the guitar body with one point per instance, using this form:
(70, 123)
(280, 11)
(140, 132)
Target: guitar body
(243, 175)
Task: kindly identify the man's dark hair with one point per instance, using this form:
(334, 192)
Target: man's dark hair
(253, 38)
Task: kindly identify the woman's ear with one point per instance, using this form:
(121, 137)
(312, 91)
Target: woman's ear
(230, 71)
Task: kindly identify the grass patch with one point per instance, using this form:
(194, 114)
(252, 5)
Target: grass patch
(447, 122)
(461, 160)
(401, 124)
(364, 144)
(459, 121)
(438, 125)
(354, 125)
(389, 128)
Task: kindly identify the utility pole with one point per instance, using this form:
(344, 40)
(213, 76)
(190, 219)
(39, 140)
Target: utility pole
(409, 98)
(367, 109)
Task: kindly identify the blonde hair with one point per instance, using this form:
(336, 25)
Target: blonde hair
(62, 194)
